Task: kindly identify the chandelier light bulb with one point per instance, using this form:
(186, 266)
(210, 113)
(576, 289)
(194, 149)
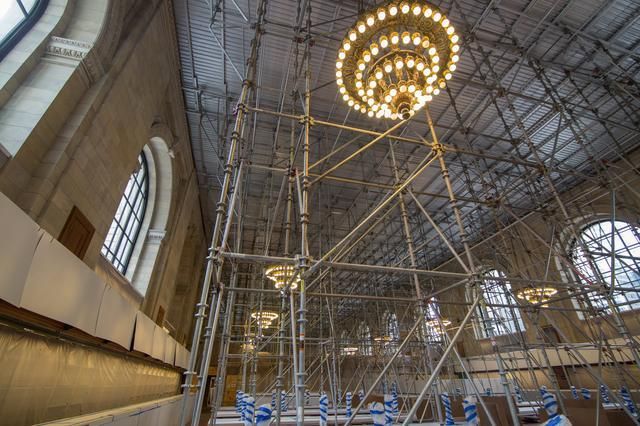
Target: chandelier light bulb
(338, 74)
(346, 46)
(395, 38)
(450, 30)
(339, 82)
(384, 42)
(388, 67)
(411, 88)
(394, 116)
(375, 49)
(345, 97)
(366, 55)
(339, 65)
(393, 91)
(371, 20)
(370, 101)
(399, 63)
(362, 27)
(416, 39)
(432, 51)
(437, 16)
(416, 9)
(425, 43)
(373, 84)
(428, 12)
(358, 84)
(343, 89)
(420, 65)
(447, 76)
(361, 92)
(403, 88)
(353, 36)
(393, 10)
(436, 91)
(435, 69)
(445, 23)
(452, 67)
(406, 37)
(361, 65)
(435, 59)
(370, 114)
(455, 48)
(382, 14)
(358, 75)
(379, 74)
(442, 84)
(455, 58)
(356, 107)
(350, 102)
(404, 7)
(410, 62)
(455, 38)
(429, 89)
(342, 54)
(388, 98)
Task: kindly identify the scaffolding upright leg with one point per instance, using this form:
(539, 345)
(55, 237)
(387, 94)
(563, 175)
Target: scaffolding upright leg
(214, 266)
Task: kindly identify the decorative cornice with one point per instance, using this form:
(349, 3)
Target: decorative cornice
(155, 236)
(68, 48)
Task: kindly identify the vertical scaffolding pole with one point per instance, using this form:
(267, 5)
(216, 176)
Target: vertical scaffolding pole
(214, 263)
(304, 228)
(437, 147)
(416, 282)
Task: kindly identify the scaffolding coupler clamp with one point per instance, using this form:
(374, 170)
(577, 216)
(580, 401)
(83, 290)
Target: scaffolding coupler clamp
(437, 148)
(307, 118)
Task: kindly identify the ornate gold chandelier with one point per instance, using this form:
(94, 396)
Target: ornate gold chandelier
(264, 318)
(438, 326)
(537, 295)
(396, 58)
(350, 350)
(281, 275)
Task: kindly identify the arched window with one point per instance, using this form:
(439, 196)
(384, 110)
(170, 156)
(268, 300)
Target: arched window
(125, 227)
(610, 254)
(497, 313)
(16, 18)
(364, 340)
(431, 330)
(392, 328)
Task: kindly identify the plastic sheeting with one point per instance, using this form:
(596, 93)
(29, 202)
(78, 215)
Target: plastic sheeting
(45, 378)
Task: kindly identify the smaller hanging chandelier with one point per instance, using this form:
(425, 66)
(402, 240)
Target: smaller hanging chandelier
(349, 350)
(438, 326)
(537, 296)
(281, 275)
(264, 318)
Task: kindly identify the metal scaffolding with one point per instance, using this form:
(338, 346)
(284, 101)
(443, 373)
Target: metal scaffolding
(531, 144)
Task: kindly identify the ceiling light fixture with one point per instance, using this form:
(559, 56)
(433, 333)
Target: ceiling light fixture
(537, 295)
(264, 318)
(397, 47)
(438, 325)
(281, 275)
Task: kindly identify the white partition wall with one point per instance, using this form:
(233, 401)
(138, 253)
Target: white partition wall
(116, 319)
(19, 236)
(40, 275)
(60, 286)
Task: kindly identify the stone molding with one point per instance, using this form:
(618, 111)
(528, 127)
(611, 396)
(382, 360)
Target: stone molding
(68, 48)
(155, 236)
